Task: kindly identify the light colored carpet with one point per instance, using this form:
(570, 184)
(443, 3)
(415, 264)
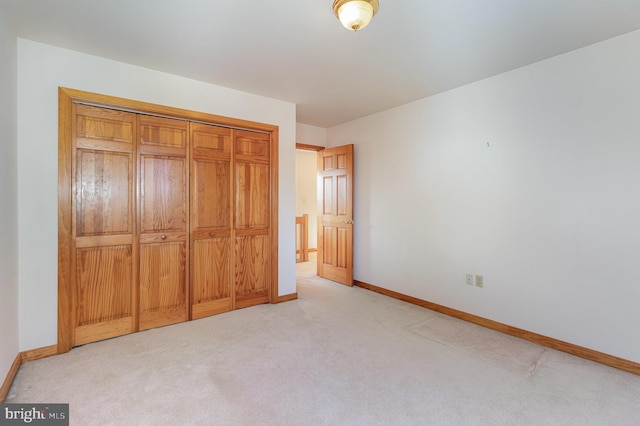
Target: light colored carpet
(501, 350)
(337, 355)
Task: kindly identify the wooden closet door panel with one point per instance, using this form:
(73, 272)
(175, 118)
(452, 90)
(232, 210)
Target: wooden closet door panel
(104, 283)
(211, 216)
(103, 225)
(211, 238)
(210, 140)
(252, 270)
(163, 221)
(162, 284)
(103, 293)
(211, 201)
(103, 128)
(211, 277)
(252, 197)
(163, 133)
(105, 186)
(252, 146)
(163, 194)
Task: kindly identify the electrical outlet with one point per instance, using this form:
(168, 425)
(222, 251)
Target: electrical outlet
(479, 281)
(470, 279)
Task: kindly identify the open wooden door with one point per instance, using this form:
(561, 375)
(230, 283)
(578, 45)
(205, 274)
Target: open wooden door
(335, 214)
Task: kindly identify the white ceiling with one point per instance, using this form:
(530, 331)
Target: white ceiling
(297, 51)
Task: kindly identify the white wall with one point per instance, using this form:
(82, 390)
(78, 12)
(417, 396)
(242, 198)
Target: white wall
(9, 340)
(311, 135)
(41, 69)
(307, 191)
(531, 178)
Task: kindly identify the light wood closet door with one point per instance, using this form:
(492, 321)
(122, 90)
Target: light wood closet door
(163, 221)
(211, 215)
(103, 299)
(252, 218)
(161, 218)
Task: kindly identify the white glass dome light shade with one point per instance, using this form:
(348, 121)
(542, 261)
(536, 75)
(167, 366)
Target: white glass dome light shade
(355, 14)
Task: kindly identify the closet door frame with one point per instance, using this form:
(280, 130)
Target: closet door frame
(66, 98)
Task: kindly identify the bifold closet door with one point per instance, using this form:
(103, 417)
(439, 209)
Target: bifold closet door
(103, 266)
(211, 216)
(164, 215)
(252, 197)
(163, 221)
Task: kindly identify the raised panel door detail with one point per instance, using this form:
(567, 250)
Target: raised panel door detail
(104, 185)
(211, 138)
(211, 194)
(252, 144)
(335, 255)
(163, 132)
(342, 202)
(212, 270)
(335, 249)
(341, 248)
(252, 195)
(328, 246)
(104, 125)
(327, 163)
(327, 192)
(162, 276)
(163, 203)
(252, 270)
(341, 160)
(103, 284)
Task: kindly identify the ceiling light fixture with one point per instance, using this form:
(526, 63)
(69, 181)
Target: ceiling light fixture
(355, 14)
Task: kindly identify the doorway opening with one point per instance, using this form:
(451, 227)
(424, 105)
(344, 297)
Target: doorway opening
(306, 209)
